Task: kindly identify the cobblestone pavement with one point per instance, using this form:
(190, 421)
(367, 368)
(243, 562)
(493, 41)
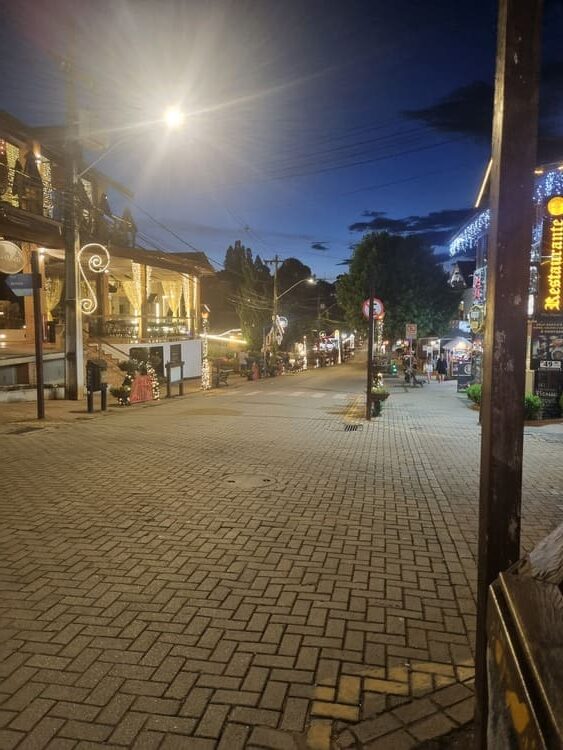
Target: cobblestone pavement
(237, 569)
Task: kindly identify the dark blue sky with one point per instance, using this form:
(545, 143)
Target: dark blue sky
(297, 122)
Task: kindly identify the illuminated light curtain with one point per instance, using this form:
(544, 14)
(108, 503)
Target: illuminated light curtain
(53, 291)
(148, 270)
(186, 289)
(173, 294)
(48, 203)
(133, 288)
(13, 154)
(196, 300)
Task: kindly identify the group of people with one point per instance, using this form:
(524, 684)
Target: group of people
(439, 366)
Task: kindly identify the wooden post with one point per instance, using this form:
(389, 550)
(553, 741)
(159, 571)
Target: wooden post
(502, 406)
(38, 331)
(370, 355)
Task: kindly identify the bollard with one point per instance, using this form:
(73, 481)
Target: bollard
(181, 378)
(90, 401)
(168, 383)
(104, 396)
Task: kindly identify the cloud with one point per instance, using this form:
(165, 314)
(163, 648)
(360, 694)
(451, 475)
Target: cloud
(434, 228)
(467, 110)
(319, 246)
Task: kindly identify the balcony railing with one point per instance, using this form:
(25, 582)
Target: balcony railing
(132, 329)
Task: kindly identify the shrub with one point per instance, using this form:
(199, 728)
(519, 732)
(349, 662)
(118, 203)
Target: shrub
(474, 393)
(532, 406)
(561, 403)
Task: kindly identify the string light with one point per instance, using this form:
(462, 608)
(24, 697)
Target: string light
(467, 237)
(205, 369)
(547, 184)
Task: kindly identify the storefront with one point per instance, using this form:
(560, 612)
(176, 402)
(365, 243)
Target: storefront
(544, 363)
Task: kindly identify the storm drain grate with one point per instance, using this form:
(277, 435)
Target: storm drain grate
(352, 427)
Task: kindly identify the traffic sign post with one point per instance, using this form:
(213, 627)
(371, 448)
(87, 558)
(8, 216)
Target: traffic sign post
(411, 330)
(21, 284)
(378, 309)
(27, 285)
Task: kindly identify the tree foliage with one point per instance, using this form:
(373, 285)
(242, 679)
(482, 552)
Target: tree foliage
(406, 277)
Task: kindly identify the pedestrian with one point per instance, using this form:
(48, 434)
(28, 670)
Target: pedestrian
(429, 369)
(441, 368)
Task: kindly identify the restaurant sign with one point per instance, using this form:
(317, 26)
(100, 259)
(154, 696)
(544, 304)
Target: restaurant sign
(551, 274)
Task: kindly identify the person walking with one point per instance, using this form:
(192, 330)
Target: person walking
(441, 368)
(429, 367)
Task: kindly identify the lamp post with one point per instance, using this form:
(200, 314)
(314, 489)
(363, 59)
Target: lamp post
(277, 297)
(73, 338)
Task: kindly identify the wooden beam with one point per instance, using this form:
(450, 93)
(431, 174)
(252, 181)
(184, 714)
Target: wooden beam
(512, 216)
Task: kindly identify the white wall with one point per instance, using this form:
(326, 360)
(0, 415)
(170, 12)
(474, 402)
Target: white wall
(191, 353)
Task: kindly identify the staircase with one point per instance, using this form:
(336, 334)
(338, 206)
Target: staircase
(98, 349)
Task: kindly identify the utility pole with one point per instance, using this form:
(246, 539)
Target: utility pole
(74, 353)
(502, 405)
(369, 384)
(276, 262)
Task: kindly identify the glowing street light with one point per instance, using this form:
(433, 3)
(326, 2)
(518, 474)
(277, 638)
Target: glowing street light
(174, 117)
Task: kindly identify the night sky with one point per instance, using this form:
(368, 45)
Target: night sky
(309, 121)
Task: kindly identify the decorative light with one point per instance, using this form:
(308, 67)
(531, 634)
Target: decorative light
(98, 264)
(550, 183)
(467, 237)
(205, 369)
(304, 352)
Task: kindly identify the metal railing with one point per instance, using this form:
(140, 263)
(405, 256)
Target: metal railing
(135, 328)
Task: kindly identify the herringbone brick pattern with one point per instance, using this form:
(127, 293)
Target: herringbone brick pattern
(152, 597)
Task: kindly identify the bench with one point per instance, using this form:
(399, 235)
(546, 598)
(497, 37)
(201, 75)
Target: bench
(221, 377)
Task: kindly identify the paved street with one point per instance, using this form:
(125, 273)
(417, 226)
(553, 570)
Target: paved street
(243, 568)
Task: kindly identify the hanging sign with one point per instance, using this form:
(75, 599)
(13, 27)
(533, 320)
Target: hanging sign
(410, 331)
(476, 318)
(11, 257)
(21, 284)
(551, 269)
(378, 309)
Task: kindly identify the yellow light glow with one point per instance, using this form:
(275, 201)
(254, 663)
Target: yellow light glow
(555, 206)
(174, 118)
(484, 183)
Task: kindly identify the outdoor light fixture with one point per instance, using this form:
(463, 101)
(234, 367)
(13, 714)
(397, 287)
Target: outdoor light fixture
(174, 118)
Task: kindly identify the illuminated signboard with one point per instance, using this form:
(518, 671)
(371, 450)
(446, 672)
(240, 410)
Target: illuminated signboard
(551, 276)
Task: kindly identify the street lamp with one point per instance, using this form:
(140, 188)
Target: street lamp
(174, 117)
(74, 353)
(277, 297)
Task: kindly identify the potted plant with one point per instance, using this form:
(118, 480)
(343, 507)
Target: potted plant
(379, 394)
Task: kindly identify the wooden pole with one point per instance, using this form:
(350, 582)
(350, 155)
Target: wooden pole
(370, 355)
(512, 216)
(38, 325)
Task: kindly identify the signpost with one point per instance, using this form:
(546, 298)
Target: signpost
(21, 284)
(410, 334)
(378, 309)
(26, 285)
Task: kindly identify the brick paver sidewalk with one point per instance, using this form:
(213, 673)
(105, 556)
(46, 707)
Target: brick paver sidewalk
(229, 571)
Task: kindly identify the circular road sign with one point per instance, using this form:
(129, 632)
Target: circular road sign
(11, 257)
(378, 309)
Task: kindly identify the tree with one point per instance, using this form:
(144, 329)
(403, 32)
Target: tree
(406, 277)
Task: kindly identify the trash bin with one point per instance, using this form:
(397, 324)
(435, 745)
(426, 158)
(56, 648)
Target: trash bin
(94, 374)
(525, 651)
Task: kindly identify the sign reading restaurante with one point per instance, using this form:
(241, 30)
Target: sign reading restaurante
(551, 276)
